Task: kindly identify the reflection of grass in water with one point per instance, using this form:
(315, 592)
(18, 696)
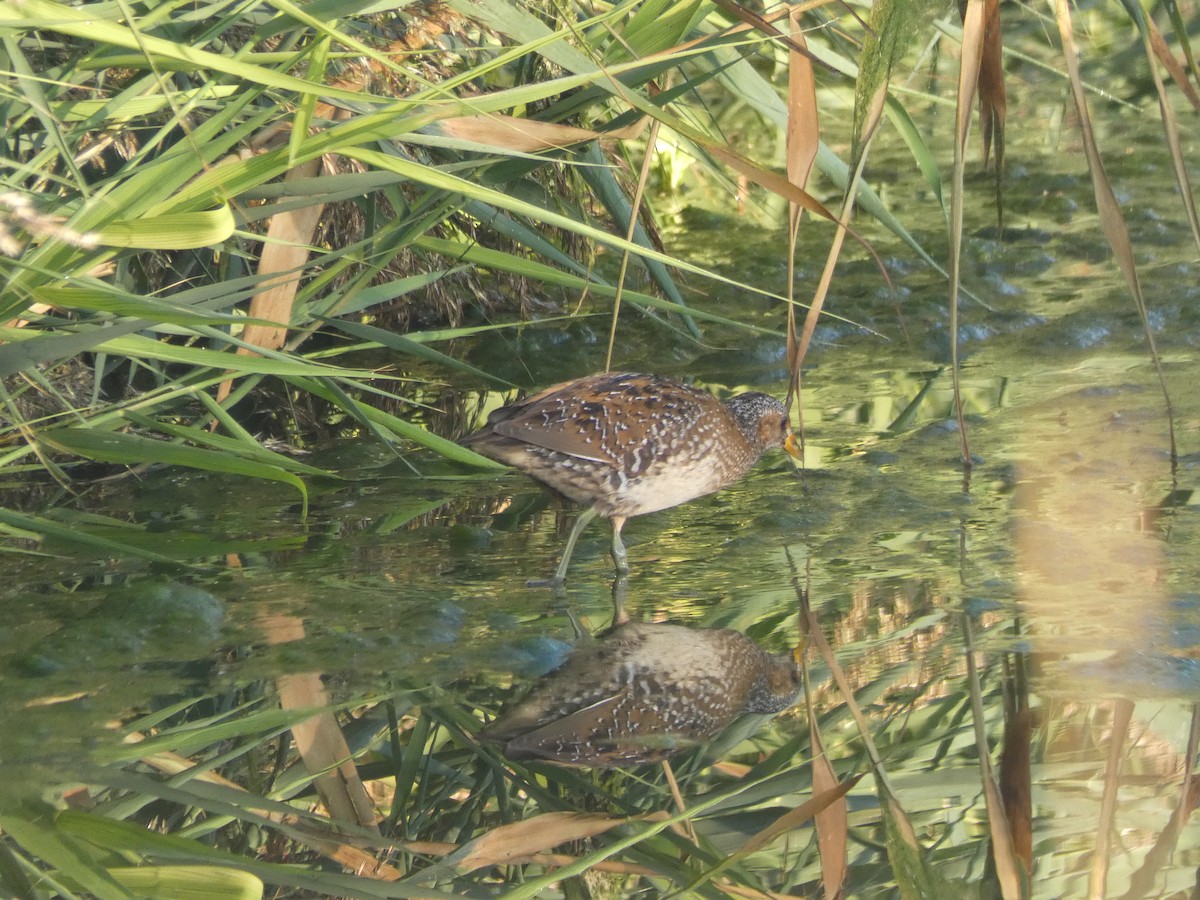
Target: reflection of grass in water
(216, 782)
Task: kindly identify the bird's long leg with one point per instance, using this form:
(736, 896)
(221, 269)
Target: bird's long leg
(618, 547)
(560, 574)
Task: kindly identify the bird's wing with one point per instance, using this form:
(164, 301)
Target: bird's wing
(602, 418)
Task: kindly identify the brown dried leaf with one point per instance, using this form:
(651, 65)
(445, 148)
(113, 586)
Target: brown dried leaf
(772, 181)
(1159, 45)
(871, 123)
(798, 816)
(1156, 46)
(1009, 872)
(803, 140)
(508, 843)
(527, 135)
(833, 822)
(803, 124)
(1016, 779)
(968, 81)
(993, 102)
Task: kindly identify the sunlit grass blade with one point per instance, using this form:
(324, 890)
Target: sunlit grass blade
(157, 310)
(86, 24)
(171, 231)
(141, 347)
(918, 147)
(40, 837)
(189, 882)
(25, 349)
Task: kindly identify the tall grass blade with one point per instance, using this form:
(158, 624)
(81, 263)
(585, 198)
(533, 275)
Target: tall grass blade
(134, 450)
(993, 102)
(1008, 868)
(1181, 35)
(1111, 219)
(631, 232)
(318, 61)
(874, 115)
(409, 347)
(968, 78)
(1016, 775)
(25, 350)
(98, 24)
(803, 140)
(624, 211)
(914, 876)
(1122, 714)
(74, 536)
(1162, 51)
(1156, 49)
(919, 148)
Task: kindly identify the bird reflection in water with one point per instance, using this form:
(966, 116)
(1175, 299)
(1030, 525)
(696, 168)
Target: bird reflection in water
(642, 693)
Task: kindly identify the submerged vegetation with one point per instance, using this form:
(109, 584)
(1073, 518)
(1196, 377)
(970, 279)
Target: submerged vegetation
(217, 218)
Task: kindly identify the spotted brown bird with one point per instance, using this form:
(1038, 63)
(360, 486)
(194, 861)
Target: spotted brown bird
(624, 445)
(643, 693)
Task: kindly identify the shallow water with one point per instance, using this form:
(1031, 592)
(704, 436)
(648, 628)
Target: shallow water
(1071, 545)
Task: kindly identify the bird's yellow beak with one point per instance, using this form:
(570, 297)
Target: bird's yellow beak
(792, 446)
